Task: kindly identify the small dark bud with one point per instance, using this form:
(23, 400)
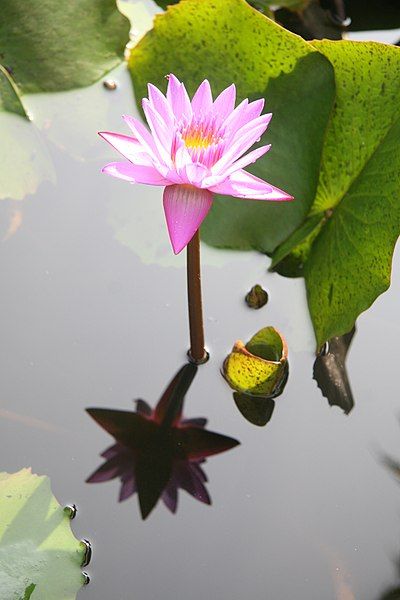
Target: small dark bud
(257, 297)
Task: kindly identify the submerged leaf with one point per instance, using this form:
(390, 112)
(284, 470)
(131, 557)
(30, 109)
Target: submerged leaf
(331, 375)
(259, 367)
(39, 555)
(52, 46)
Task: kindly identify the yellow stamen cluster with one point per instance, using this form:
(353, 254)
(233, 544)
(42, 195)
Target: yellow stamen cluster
(199, 137)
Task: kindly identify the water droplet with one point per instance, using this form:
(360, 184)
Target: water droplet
(86, 578)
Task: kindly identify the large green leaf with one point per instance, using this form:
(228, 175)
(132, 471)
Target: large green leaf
(357, 206)
(227, 41)
(49, 45)
(39, 556)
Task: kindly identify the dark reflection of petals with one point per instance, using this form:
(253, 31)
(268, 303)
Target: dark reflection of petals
(189, 480)
(170, 497)
(143, 408)
(157, 451)
(128, 487)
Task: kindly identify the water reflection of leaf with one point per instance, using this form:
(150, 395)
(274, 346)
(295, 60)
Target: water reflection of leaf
(331, 375)
(24, 159)
(258, 411)
(157, 451)
(37, 547)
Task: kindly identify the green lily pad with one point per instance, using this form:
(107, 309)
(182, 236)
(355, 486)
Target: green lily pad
(346, 258)
(227, 41)
(259, 367)
(39, 555)
(49, 46)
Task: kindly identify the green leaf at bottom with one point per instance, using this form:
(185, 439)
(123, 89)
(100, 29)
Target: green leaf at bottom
(39, 556)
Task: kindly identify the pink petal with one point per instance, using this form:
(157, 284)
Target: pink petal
(143, 135)
(194, 174)
(242, 114)
(135, 173)
(182, 156)
(178, 98)
(254, 109)
(161, 133)
(225, 102)
(244, 138)
(248, 159)
(234, 119)
(185, 209)
(160, 104)
(245, 185)
(127, 146)
(202, 100)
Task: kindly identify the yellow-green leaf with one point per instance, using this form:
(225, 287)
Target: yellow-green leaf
(259, 367)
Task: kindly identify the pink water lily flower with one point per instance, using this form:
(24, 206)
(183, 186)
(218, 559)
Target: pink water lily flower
(195, 149)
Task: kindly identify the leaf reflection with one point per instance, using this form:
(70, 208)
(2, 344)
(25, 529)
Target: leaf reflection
(331, 375)
(157, 451)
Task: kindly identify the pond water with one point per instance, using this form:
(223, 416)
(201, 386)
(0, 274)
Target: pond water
(94, 315)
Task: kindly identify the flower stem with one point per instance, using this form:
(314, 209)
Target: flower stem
(197, 353)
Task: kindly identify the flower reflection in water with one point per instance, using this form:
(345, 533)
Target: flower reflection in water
(157, 451)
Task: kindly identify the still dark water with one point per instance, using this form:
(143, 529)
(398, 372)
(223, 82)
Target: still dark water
(94, 314)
